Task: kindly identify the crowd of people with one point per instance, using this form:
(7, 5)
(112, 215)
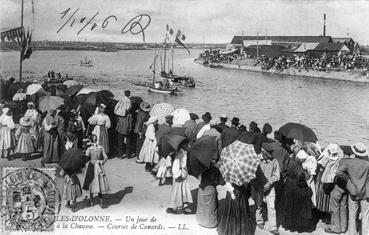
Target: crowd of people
(298, 182)
(297, 61)
(215, 56)
(323, 63)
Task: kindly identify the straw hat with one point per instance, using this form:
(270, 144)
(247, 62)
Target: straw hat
(224, 115)
(25, 121)
(31, 104)
(146, 107)
(359, 149)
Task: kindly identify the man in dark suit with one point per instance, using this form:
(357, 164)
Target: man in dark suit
(229, 135)
(355, 171)
(223, 120)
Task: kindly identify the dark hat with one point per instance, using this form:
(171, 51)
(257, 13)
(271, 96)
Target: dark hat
(206, 116)
(169, 117)
(253, 124)
(194, 116)
(235, 120)
(267, 128)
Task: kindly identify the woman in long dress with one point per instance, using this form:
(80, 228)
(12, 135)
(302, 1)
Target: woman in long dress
(236, 219)
(102, 124)
(25, 144)
(148, 153)
(7, 136)
(95, 179)
(35, 117)
(207, 198)
(180, 197)
(51, 139)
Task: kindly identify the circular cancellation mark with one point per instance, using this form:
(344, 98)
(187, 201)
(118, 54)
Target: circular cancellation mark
(30, 199)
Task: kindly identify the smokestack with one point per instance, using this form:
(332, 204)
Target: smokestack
(324, 26)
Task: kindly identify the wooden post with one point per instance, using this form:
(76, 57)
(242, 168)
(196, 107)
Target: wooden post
(20, 53)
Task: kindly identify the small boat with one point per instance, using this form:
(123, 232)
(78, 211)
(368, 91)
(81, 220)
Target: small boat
(170, 91)
(87, 63)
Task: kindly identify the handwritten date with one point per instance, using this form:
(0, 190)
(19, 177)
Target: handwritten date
(137, 25)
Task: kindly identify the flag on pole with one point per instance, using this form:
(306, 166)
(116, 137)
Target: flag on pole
(24, 43)
(170, 30)
(180, 36)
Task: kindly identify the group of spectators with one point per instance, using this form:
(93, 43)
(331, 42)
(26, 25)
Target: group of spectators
(215, 56)
(323, 63)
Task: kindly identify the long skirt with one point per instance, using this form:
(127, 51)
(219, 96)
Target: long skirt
(7, 138)
(296, 213)
(235, 219)
(51, 147)
(125, 124)
(181, 193)
(25, 144)
(95, 182)
(164, 167)
(207, 207)
(102, 137)
(71, 188)
(148, 153)
(322, 199)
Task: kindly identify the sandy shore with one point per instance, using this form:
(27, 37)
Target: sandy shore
(352, 76)
(134, 193)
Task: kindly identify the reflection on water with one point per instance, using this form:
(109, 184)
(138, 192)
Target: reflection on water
(338, 111)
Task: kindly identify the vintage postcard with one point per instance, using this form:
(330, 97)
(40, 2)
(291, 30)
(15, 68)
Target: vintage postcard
(206, 117)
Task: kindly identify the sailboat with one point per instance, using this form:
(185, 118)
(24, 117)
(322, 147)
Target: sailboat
(160, 86)
(186, 81)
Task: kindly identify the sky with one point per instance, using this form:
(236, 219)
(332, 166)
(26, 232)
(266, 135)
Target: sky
(209, 21)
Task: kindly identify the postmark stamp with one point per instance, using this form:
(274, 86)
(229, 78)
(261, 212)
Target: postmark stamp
(31, 199)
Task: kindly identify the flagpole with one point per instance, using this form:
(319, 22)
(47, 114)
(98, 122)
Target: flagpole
(172, 57)
(21, 51)
(165, 49)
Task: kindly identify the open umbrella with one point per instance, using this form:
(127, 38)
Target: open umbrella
(299, 132)
(170, 143)
(180, 116)
(33, 88)
(73, 160)
(238, 163)
(177, 131)
(70, 83)
(202, 152)
(72, 90)
(85, 91)
(95, 98)
(161, 110)
(49, 102)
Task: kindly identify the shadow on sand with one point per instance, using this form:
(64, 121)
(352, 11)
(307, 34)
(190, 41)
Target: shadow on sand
(109, 199)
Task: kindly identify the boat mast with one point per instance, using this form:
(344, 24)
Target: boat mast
(165, 49)
(153, 75)
(171, 45)
(20, 54)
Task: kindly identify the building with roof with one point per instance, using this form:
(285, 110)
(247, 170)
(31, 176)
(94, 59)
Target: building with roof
(350, 43)
(329, 49)
(287, 41)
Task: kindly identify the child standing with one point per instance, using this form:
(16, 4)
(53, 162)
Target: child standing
(25, 144)
(180, 196)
